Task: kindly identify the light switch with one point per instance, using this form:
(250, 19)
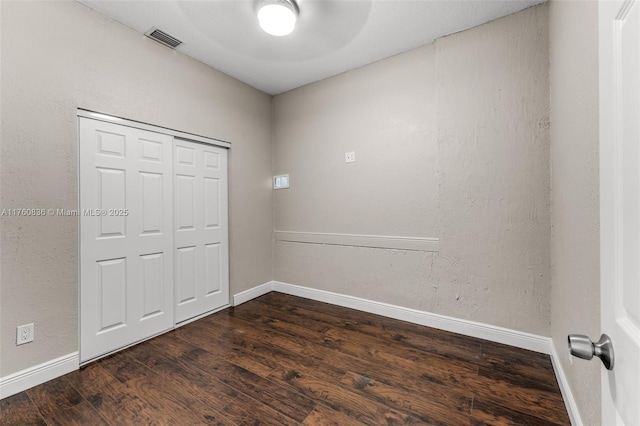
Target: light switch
(350, 157)
(281, 182)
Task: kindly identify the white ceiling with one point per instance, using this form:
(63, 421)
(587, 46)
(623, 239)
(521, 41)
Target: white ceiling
(331, 36)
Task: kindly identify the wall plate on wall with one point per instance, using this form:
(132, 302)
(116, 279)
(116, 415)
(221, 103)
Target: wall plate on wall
(281, 182)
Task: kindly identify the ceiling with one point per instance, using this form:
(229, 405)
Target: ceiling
(331, 36)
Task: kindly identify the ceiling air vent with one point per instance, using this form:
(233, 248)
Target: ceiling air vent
(162, 37)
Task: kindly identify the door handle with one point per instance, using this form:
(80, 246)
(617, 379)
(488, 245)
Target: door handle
(581, 346)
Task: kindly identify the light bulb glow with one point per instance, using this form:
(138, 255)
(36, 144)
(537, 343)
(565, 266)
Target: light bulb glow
(277, 19)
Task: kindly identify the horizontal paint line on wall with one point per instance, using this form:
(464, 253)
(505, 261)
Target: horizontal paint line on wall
(357, 240)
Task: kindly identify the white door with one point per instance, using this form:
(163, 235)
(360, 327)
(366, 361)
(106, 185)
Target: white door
(126, 241)
(619, 33)
(201, 229)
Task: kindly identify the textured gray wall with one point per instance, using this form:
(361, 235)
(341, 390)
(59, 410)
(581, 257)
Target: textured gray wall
(57, 56)
(385, 112)
(451, 141)
(575, 218)
(493, 148)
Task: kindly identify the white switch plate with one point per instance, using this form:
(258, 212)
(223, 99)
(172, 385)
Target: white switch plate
(281, 182)
(350, 157)
(24, 334)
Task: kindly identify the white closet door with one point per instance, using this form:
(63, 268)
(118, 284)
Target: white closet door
(126, 243)
(201, 267)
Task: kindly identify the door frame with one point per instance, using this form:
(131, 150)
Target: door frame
(82, 112)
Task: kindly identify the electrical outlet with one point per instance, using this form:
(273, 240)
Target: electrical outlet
(350, 157)
(24, 334)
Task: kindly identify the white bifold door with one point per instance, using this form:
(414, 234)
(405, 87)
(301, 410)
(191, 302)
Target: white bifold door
(150, 256)
(201, 267)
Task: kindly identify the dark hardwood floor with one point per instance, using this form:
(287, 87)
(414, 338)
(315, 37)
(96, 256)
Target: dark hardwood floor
(283, 360)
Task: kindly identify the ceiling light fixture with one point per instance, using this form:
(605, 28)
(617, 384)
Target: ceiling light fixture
(278, 17)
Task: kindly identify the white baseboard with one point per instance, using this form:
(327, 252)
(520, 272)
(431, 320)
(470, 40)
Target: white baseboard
(252, 293)
(565, 389)
(33, 376)
(493, 333)
(468, 328)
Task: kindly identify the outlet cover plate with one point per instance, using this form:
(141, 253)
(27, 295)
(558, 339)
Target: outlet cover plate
(24, 334)
(350, 157)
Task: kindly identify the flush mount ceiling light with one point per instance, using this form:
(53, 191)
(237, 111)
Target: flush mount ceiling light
(278, 17)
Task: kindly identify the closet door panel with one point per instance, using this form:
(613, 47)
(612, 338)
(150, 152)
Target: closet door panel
(112, 293)
(126, 238)
(211, 203)
(213, 262)
(153, 287)
(186, 275)
(201, 226)
(151, 206)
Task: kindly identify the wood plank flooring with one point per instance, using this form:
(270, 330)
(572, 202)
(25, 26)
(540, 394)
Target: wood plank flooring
(284, 360)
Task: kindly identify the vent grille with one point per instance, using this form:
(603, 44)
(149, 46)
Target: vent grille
(162, 37)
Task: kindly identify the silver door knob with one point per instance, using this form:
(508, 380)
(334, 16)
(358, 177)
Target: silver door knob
(582, 347)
